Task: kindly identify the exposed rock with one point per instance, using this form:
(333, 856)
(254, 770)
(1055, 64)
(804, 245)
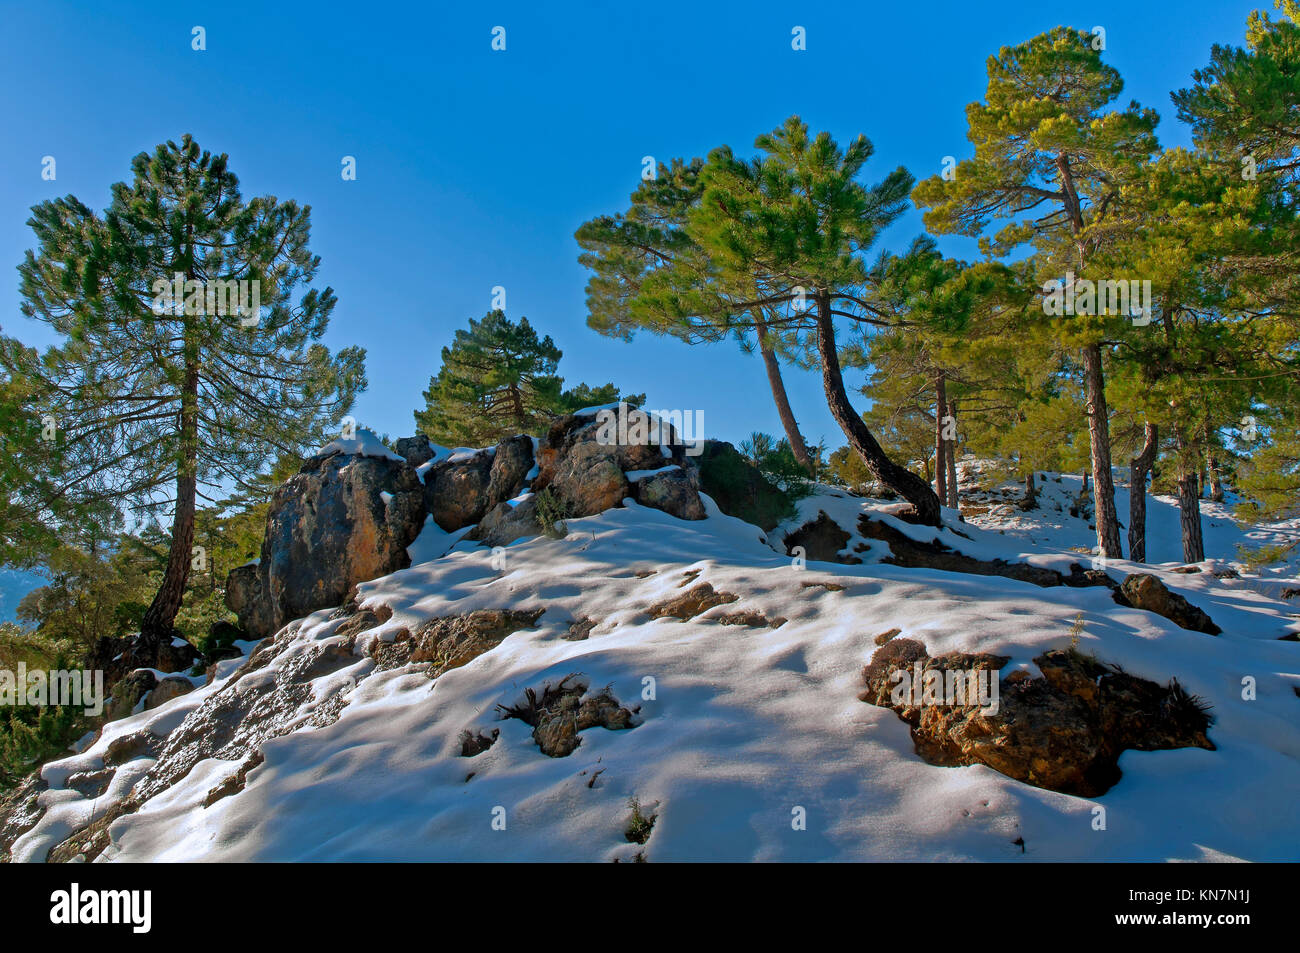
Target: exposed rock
(754, 620)
(364, 619)
(128, 692)
(343, 519)
(821, 539)
(88, 843)
(1064, 731)
(235, 783)
(1145, 591)
(821, 584)
(738, 487)
(232, 723)
(414, 450)
(888, 634)
(935, 554)
(246, 597)
(455, 490)
(588, 473)
(561, 711)
(461, 492)
(697, 599)
(510, 467)
(476, 742)
(507, 522)
(580, 630)
(124, 748)
(676, 492)
(168, 689)
(19, 811)
(452, 641)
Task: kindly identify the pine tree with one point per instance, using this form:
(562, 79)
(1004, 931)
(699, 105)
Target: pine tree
(796, 222)
(1051, 158)
(167, 382)
(643, 263)
(498, 378)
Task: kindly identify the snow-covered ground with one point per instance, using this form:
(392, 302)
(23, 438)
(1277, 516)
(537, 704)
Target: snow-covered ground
(741, 731)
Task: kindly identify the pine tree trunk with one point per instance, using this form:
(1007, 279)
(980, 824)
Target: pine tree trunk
(1212, 469)
(940, 445)
(777, 384)
(1031, 493)
(901, 480)
(950, 456)
(1108, 542)
(1189, 518)
(1139, 467)
(160, 617)
(1189, 501)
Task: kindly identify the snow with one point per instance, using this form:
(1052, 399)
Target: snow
(596, 410)
(635, 475)
(364, 444)
(743, 726)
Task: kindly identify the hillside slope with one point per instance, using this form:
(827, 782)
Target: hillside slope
(736, 727)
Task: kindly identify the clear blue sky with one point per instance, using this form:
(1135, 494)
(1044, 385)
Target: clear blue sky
(475, 167)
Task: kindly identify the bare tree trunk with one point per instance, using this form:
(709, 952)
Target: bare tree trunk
(903, 481)
(777, 383)
(1212, 469)
(160, 617)
(950, 456)
(1189, 501)
(940, 445)
(1139, 467)
(1031, 493)
(1189, 507)
(1108, 542)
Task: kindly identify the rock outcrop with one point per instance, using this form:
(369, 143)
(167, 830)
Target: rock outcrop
(350, 513)
(1064, 731)
(343, 518)
(1145, 591)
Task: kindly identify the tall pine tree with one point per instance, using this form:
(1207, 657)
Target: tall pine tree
(160, 397)
(1050, 161)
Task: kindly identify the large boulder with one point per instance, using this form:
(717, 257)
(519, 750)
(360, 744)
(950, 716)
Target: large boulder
(1064, 731)
(456, 489)
(345, 518)
(511, 464)
(460, 490)
(585, 461)
(673, 489)
(414, 450)
(507, 522)
(1145, 591)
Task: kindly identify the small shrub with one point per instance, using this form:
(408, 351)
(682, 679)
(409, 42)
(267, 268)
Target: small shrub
(1267, 555)
(639, 825)
(552, 511)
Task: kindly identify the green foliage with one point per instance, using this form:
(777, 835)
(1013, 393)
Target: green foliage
(846, 468)
(738, 487)
(498, 379)
(31, 735)
(639, 825)
(1256, 558)
(157, 396)
(776, 461)
(1270, 479)
(552, 511)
